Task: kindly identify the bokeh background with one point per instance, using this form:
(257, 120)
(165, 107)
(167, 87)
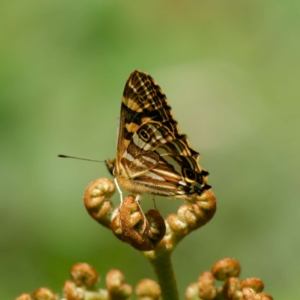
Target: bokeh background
(230, 70)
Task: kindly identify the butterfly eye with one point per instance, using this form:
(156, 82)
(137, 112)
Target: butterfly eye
(144, 135)
(189, 175)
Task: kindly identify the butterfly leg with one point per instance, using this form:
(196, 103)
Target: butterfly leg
(137, 200)
(154, 202)
(119, 190)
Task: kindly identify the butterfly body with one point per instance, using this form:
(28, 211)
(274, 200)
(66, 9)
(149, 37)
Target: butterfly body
(153, 156)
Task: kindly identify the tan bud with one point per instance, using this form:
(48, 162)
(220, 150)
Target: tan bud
(72, 292)
(44, 294)
(143, 232)
(84, 275)
(116, 287)
(190, 216)
(191, 293)
(225, 268)
(254, 283)
(207, 290)
(96, 200)
(147, 289)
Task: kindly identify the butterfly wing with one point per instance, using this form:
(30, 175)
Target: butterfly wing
(175, 172)
(142, 101)
(153, 155)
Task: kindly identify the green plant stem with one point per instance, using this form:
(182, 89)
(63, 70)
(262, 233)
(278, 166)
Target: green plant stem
(163, 268)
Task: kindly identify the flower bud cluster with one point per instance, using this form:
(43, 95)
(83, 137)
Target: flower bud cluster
(96, 200)
(148, 289)
(190, 216)
(194, 214)
(81, 286)
(145, 231)
(228, 271)
(128, 222)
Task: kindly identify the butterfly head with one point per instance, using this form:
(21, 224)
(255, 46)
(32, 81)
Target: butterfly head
(110, 164)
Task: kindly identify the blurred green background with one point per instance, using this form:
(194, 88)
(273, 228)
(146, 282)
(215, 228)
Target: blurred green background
(230, 70)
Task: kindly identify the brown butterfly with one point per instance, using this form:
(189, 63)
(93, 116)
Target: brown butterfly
(153, 156)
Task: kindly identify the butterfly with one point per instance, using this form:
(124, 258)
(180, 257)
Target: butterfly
(153, 156)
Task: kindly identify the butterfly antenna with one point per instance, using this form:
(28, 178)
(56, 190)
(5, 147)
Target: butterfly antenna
(74, 157)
